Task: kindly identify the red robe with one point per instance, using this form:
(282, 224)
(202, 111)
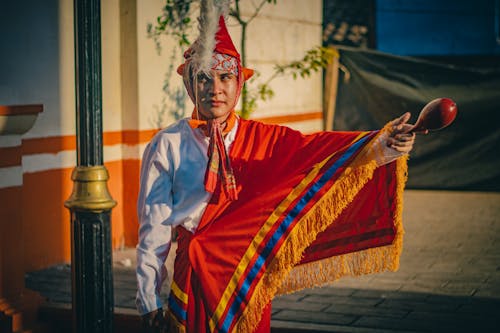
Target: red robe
(310, 209)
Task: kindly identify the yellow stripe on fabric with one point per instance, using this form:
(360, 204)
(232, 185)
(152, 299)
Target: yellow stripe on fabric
(179, 293)
(252, 249)
(360, 135)
(173, 325)
(364, 156)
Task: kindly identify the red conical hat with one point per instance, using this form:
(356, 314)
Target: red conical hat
(224, 45)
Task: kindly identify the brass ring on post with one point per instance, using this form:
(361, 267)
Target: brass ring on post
(90, 190)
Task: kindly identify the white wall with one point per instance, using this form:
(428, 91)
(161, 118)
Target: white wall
(37, 61)
(280, 34)
(152, 67)
(32, 63)
(111, 78)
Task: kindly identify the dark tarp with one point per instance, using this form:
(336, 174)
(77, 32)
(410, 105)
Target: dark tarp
(465, 155)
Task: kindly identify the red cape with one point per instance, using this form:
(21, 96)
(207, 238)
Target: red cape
(311, 208)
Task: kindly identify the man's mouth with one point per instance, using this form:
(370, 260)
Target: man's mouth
(215, 103)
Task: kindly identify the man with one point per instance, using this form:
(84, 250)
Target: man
(259, 209)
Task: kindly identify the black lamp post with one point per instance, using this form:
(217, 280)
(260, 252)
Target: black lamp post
(90, 203)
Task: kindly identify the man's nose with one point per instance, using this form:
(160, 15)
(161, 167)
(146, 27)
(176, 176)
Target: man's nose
(215, 87)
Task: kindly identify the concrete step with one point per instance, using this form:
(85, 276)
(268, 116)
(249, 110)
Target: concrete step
(58, 316)
(11, 319)
(16, 318)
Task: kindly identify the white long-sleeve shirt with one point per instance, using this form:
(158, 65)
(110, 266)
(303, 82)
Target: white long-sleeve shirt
(172, 193)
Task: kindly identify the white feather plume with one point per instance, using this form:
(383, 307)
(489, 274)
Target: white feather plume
(208, 24)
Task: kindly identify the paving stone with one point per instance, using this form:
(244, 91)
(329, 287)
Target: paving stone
(367, 311)
(458, 288)
(60, 297)
(291, 297)
(393, 323)
(427, 322)
(316, 328)
(448, 280)
(494, 276)
(314, 317)
(390, 294)
(124, 301)
(493, 293)
(285, 304)
(470, 276)
(331, 291)
(406, 274)
(340, 300)
(486, 264)
(386, 285)
(128, 287)
(122, 274)
(352, 284)
(441, 316)
(457, 301)
(411, 305)
(274, 311)
(446, 267)
(364, 293)
(488, 308)
(424, 287)
(456, 321)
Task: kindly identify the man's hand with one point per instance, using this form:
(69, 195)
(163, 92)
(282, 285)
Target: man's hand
(400, 140)
(153, 322)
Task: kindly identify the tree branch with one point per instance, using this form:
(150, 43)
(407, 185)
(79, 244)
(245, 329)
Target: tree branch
(236, 12)
(257, 11)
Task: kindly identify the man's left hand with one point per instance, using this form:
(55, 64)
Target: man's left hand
(399, 139)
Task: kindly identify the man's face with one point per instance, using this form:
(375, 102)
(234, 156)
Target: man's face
(216, 94)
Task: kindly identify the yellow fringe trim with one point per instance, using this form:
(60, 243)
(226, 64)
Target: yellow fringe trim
(277, 279)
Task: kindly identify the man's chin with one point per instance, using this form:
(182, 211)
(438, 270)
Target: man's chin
(218, 114)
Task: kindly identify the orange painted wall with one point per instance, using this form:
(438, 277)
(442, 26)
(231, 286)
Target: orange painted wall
(11, 242)
(47, 222)
(44, 230)
(45, 219)
(130, 181)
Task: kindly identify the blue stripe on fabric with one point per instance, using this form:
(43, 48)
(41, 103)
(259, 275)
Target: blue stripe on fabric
(176, 309)
(287, 221)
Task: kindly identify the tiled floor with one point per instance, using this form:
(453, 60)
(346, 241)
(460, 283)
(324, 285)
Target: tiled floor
(449, 279)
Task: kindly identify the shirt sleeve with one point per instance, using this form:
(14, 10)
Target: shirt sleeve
(154, 209)
(380, 152)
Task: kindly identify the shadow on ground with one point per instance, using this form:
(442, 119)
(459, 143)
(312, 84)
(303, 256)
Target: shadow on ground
(322, 309)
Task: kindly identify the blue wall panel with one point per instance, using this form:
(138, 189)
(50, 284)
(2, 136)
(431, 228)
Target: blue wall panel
(439, 27)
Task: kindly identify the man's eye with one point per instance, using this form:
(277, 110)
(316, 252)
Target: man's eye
(202, 78)
(226, 77)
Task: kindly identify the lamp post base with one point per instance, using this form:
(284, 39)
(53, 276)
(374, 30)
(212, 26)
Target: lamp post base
(91, 263)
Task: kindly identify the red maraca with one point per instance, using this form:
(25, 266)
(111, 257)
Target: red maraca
(437, 114)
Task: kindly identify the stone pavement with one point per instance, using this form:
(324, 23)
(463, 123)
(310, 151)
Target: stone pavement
(449, 279)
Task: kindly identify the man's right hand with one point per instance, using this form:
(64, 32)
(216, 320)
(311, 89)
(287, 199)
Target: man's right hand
(153, 322)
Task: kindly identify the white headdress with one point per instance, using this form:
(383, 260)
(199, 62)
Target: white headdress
(208, 24)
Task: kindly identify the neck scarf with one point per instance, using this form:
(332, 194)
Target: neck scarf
(219, 164)
(224, 57)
